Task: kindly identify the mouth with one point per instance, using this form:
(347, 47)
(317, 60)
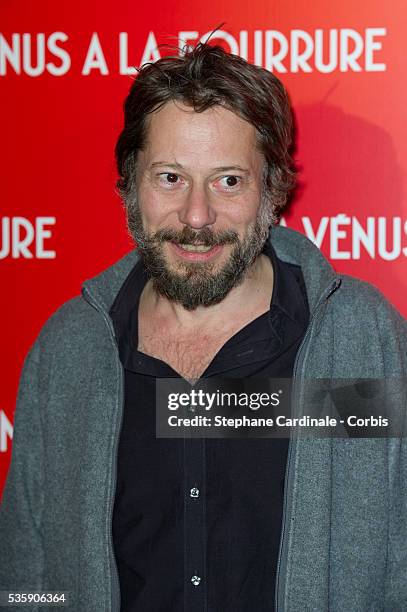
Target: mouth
(196, 252)
(195, 248)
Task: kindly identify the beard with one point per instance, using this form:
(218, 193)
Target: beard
(198, 283)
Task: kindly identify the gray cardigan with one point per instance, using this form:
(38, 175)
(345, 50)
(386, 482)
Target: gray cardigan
(344, 538)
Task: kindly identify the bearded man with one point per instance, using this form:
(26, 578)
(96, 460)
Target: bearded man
(99, 506)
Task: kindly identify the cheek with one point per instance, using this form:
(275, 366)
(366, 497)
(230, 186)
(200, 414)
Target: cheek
(155, 209)
(246, 206)
(243, 214)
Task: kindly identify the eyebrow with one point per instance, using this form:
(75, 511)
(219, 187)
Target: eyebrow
(177, 166)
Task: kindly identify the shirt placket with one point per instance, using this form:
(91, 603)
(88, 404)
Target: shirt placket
(195, 582)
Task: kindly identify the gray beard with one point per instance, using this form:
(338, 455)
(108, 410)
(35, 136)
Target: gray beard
(197, 284)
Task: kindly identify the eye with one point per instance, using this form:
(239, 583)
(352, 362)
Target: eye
(168, 179)
(229, 182)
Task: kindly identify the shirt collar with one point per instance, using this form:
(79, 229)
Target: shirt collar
(289, 293)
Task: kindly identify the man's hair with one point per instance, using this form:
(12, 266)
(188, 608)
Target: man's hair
(203, 77)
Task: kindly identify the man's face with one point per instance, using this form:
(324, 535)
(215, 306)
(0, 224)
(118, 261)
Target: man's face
(199, 220)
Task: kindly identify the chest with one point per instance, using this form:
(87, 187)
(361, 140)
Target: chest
(187, 354)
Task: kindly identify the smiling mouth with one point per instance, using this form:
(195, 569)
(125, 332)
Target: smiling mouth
(195, 248)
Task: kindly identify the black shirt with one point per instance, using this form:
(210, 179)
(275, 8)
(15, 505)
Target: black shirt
(197, 522)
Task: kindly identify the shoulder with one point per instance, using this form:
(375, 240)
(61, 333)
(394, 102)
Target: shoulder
(74, 316)
(363, 301)
(368, 326)
(70, 332)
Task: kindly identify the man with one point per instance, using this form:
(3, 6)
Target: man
(95, 504)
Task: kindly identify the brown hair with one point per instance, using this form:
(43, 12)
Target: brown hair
(203, 77)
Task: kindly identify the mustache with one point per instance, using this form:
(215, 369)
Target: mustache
(205, 236)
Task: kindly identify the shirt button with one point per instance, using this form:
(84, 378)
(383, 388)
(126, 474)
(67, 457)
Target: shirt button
(194, 492)
(195, 580)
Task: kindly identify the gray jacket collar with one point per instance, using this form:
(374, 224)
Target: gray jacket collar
(290, 246)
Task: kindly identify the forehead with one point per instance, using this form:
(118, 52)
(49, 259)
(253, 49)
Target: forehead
(216, 134)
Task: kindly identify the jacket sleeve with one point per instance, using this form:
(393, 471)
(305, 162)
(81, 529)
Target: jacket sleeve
(21, 545)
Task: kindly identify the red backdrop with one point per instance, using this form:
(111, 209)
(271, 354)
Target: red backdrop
(64, 72)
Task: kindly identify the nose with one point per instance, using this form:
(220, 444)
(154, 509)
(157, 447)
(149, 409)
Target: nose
(197, 211)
